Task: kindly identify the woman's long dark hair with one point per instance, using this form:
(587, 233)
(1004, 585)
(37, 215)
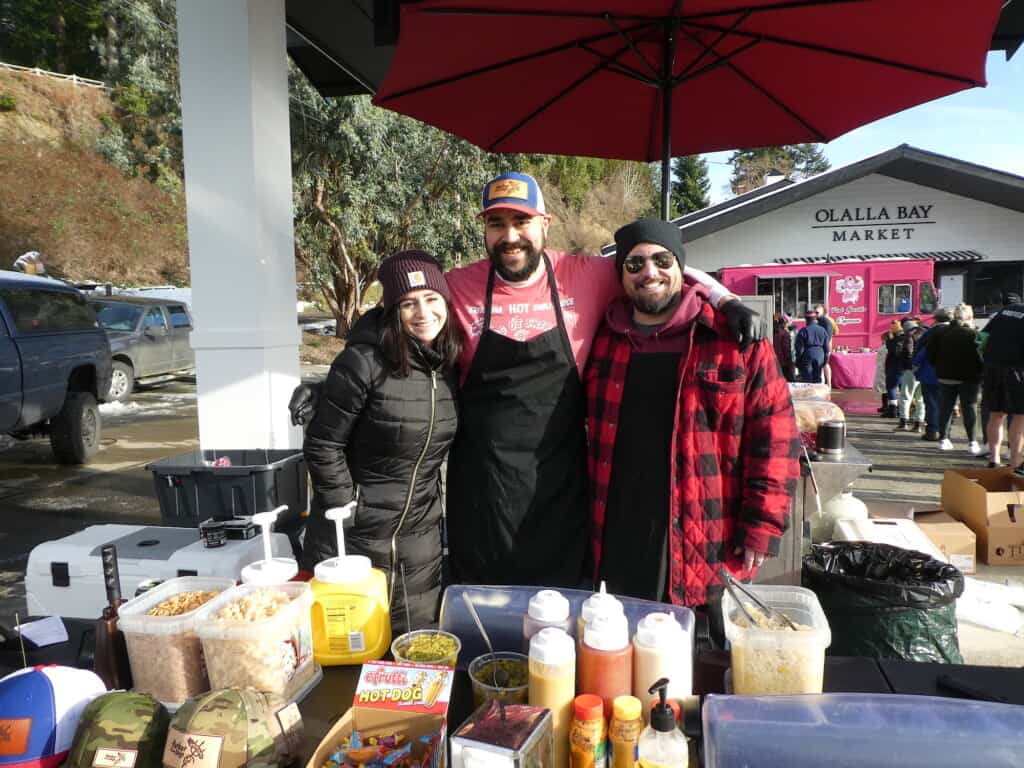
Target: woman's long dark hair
(398, 348)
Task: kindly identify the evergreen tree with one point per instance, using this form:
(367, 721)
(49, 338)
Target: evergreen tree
(690, 184)
(50, 34)
(750, 166)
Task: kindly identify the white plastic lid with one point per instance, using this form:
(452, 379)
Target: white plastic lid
(600, 603)
(553, 646)
(548, 606)
(345, 569)
(265, 573)
(659, 630)
(607, 632)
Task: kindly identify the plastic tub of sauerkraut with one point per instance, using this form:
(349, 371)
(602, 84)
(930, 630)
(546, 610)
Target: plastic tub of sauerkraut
(259, 637)
(164, 651)
(768, 657)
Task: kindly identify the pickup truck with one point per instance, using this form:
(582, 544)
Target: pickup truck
(54, 365)
(148, 340)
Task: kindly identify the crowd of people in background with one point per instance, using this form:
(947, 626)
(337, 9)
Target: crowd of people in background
(929, 375)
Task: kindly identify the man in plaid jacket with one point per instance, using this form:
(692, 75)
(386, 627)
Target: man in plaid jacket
(693, 455)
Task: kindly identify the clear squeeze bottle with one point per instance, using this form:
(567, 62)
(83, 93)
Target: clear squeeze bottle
(547, 608)
(351, 616)
(606, 659)
(553, 684)
(598, 603)
(662, 745)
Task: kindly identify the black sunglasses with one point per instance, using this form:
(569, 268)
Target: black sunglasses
(661, 259)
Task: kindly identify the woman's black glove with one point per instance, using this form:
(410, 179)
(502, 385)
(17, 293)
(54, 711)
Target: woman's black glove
(743, 322)
(303, 404)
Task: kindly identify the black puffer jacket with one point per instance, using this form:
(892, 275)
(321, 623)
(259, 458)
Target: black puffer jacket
(382, 439)
(953, 351)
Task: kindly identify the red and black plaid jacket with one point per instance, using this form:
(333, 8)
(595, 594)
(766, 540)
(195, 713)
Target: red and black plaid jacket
(735, 451)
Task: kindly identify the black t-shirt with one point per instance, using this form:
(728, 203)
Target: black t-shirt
(1005, 345)
(634, 555)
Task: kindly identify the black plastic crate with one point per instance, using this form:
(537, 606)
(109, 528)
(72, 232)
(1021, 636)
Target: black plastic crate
(258, 480)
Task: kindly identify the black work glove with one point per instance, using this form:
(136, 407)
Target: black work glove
(303, 404)
(742, 321)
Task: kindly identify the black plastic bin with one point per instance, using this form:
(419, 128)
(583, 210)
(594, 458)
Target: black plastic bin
(191, 491)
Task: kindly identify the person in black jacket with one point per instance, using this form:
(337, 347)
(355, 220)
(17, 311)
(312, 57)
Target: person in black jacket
(953, 351)
(382, 429)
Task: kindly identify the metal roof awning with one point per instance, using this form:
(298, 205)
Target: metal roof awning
(937, 256)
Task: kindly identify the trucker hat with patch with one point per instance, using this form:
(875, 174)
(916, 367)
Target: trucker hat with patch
(39, 711)
(518, 191)
(123, 729)
(234, 728)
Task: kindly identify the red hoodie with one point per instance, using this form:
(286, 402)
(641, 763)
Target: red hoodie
(673, 336)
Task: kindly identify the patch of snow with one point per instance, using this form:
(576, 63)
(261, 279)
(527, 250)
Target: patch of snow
(119, 409)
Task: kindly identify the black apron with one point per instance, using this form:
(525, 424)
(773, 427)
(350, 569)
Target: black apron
(517, 473)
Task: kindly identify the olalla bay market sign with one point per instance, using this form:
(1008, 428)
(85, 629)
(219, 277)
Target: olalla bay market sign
(870, 224)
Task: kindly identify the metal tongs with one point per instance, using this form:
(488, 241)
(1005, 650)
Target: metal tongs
(732, 584)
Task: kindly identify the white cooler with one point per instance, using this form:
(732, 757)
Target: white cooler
(65, 577)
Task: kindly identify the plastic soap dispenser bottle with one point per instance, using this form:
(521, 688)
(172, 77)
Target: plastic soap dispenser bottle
(662, 745)
(270, 570)
(351, 616)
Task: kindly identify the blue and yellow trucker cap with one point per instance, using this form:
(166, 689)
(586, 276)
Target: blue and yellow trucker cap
(518, 191)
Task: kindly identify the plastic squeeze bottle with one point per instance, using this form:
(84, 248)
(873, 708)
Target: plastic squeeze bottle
(661, 649)
(350, 614)
(588, 735)
(547, 608)
(624, 731)
(598, 603)
(606, 659)
(553, 684)
(662, 745)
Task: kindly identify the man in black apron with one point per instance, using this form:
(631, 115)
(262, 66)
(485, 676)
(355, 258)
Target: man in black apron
(516, 502)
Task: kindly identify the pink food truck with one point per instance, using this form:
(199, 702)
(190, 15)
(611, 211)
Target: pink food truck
(863, 297)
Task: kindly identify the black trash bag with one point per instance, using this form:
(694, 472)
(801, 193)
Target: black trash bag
(884, 602)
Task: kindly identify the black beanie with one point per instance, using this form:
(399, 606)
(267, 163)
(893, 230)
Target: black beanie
(649, 230)
(408, 271)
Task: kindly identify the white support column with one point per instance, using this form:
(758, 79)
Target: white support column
(238, 187)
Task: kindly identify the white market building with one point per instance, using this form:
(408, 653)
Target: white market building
(902, 203)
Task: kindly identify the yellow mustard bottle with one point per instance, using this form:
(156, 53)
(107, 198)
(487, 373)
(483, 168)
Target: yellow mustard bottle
(350, 615)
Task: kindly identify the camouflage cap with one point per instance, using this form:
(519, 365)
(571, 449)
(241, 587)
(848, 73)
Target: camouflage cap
(122, 729)
(233, 728)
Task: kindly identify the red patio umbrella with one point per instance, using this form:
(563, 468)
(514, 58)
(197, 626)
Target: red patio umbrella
(649, 79)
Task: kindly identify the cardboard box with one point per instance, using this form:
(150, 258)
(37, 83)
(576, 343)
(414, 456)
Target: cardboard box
(954, 539)
(991, 503)
(410, 698)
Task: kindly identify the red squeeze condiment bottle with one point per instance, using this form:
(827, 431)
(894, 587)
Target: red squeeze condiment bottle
(606, 660)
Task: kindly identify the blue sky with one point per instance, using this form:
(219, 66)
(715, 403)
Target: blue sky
(981, 125)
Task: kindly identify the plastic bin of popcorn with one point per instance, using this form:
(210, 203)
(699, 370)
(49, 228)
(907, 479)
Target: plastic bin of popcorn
(259, 637)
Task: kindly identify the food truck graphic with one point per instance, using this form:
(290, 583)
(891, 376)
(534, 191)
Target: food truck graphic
(863, 297)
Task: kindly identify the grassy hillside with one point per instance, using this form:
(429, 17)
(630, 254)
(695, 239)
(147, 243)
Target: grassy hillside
(59, 197)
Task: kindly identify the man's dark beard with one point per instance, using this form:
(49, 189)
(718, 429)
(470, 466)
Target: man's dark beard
(516, 275)
(651, 306)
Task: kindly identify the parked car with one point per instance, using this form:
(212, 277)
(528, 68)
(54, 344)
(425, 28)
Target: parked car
(148, 340)
(54, 365)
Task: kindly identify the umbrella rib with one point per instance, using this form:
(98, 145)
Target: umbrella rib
(836, 52)
(617, 66)
(569, 88)
(708, 48)
(632, 46)
(764, 91)
(724, 58)
(507, 63)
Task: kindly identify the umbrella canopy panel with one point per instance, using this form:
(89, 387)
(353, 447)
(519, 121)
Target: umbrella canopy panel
(584, 78)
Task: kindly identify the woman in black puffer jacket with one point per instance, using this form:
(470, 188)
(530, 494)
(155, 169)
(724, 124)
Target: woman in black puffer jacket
(383, 425)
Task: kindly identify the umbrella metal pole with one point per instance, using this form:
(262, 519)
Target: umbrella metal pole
(666, 121)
